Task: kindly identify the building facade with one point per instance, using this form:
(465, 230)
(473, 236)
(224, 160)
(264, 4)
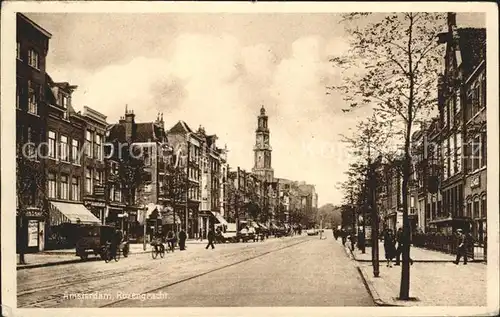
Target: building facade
(32, 44)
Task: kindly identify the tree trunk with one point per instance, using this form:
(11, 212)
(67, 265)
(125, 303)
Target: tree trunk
(404, 292)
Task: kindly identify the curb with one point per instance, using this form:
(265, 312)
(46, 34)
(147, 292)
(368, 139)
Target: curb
(372, 291)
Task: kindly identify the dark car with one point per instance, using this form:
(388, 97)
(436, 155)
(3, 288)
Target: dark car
(92, 239)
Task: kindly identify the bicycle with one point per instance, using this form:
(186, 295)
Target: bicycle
(157, 248)
(107, 255)
(170, 245)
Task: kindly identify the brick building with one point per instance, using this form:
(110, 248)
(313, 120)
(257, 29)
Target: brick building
(32, 44)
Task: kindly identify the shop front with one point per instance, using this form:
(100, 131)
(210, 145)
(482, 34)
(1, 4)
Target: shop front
(476, 204)
(31, 231)
(64, 218)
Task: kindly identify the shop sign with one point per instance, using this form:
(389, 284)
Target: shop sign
(475, 181)
(32, 233)
(35, 212)
(98, 190)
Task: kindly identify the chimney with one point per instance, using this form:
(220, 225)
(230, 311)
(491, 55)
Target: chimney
(129, 123)
(452, 20)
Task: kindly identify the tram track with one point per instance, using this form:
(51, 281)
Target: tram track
(183, 280)
(109, 275)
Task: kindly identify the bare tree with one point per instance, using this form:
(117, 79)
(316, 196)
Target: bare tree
(29, 185)
(398, 58)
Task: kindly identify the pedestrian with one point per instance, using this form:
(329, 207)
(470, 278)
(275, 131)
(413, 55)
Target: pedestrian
(399, 249)
(200, 234)
(343, 235)
(389, 246)
(352, 240)
(462, 247)
(171, 240)
(182, 240)
(211, 238)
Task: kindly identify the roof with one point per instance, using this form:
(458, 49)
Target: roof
(33, 24)
(117, 133)
(472, 42)
(141, 132)
(180, 127)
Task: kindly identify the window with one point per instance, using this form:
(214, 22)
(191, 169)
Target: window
(458, 101)
(452, 155)
(476, 153)
(88, 143)
(30, 145)
(75, 188)
(64, 148)
(446, 159)
(18, 51)
(475, 99)
(88, 181)
(33, 93)
(98, 177)
(98, 147)
(475, 208)
(33, 59)
(468, 106)
(483, 207)
(118, 193)
(483, 149)
(451, 112)
(19, 93)
(469, 209)
(458, 153)
(51, 185)
(75, 152)
(52, 144)
(112, 192)
(64, 187)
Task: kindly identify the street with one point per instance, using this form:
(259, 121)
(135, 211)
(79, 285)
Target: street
(291, 271)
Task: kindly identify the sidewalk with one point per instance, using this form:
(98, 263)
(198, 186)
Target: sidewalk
(433, 280)
(417, 254)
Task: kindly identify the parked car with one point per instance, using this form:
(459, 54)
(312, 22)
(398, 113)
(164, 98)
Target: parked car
(312, 232)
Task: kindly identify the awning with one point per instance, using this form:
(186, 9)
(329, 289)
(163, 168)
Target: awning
(150, 208)
(219, 218)
(274, 226)
(70, 213)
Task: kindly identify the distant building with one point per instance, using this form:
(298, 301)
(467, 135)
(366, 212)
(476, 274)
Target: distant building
(150, 139)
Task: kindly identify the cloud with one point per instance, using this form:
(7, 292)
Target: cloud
(217, 82)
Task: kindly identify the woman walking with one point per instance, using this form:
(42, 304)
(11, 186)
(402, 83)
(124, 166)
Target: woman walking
(389, 246)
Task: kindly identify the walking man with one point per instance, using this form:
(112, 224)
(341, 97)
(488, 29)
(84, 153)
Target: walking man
(462, 247)
(343, 235)
(211, 238)
(182, 240)
(399, 249)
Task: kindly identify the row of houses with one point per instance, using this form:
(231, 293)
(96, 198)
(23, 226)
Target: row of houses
(79, 165)
(448, 186)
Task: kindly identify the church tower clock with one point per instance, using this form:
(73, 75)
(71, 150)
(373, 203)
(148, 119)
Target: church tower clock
(262, 149)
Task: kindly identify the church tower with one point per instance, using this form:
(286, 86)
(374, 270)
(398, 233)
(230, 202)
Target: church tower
(262, 149)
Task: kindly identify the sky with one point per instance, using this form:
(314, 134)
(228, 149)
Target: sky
(217, 70)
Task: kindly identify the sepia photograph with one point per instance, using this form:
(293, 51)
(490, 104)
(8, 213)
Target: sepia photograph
(265, 158)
